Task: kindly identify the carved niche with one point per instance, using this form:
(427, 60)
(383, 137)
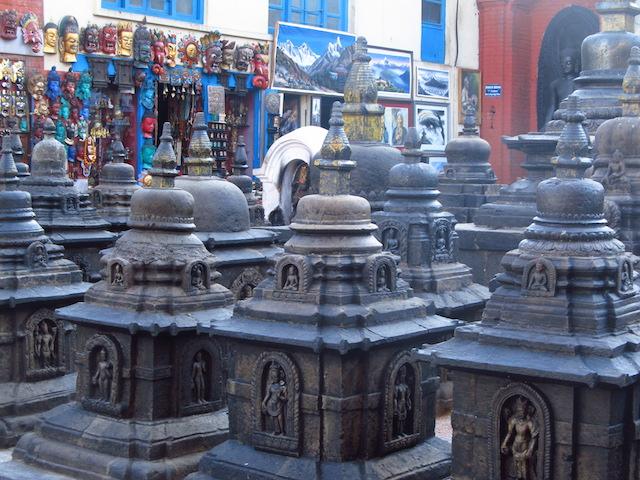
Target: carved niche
(293, 274)
(276, 404)
(393, 236)
(201, 380)
(382, 273)
(118, 273)
(70, 203)
(625, 278)
(539, 278)
(36, 255)
(519, 434)
(244, 284)
(402, 403)
(44, 345)
(196, 277)
(102, 375)
(96, 198)
(443, 240)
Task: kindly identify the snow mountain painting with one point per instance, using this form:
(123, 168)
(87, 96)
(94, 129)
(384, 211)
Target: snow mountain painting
(312, 59)
(392, 71)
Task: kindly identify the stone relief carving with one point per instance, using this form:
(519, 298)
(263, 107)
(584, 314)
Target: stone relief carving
(520, 436)
(613, 215)
(443, 241)
(292, 274)
(539, 278)
(102, 375)
(276, 400)
(197, 277)
(625, 278)
(244, 284)
(402, 403)
(37, 256)
(291, 279)
(615, 179)
(198, 377)
(70, 203)
(45, 354)
(117, 275)
(382, 273)
(201, 378)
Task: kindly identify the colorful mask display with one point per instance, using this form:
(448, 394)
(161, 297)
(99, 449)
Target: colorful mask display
(148, 94)
(69, 85)
(31, 33)
(36, 86)
(244, 56)
(158, 48)
(142, 54)
(108, 39)
(261, 66)
(227, 54)
(69, 39)
(9, 24)
(125, 39)
(53, 85)
(91, 38)
(83, 90)
(6, 103)
(148, 126)
(171, 49)
(20, 105)
(211, 52)
(65, 108)
(189, 51)
(61, 131)
(50, 38)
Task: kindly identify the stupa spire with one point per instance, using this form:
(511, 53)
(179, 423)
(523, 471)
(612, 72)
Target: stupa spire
(163, 171)
(573, 144)
(334, 164)
(8, 170)
(631, 86)
(200, 162)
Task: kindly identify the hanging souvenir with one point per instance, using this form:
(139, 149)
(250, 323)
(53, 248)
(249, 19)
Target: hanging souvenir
(69, 85)
(6, 103)
(243, 57)
(50, 38)
(108, 39)
(189, 51)
(139, 77)
(142, 54)
(227, 54)
(21, 105)
(124, 75)
(211, 52)
(159, 53)
(69, 39)
(148, 125)
(83, 128)
(17, 74)
(261, 66)
(148, 94)
(9, 24)
(36, 86)
(61, 131)
(125, 39)
(65, 108)
(171, 50)
(53, 85)
(31, 33)
(90, 38)
(83, 90)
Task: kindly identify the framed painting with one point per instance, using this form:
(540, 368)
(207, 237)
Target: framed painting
(392, 72)
(432, 83)
(290, 114)
(396, 123)
(311, 60)
(432, 122)
(469, 85)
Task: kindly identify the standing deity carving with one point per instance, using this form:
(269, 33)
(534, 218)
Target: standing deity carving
(103, 375)
(198, 372)
(402, 403)
(274, 400)
(520, 444)
(564, 86)
(45, 345)
(382, 284)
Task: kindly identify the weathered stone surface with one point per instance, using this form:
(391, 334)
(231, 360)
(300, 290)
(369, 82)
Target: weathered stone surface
(222, 218)
(36, 371)
(553, 366)
(323, 353)
(66, 215)
(245, 184)
(414, 227)
(149, 392)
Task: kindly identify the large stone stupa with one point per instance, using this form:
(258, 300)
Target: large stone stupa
(221, 214)
(324, 381)
(65, 214)
(35, 374)
(150, 391)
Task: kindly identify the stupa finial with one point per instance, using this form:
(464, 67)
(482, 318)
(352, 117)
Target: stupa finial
(119, 153)
(335, 164)
(630, 99)
(49, 128)
(470, 126)
(240, 160)
(200, 161)
(163, 172)
(8, 170)
(412, 152)
(573, 144)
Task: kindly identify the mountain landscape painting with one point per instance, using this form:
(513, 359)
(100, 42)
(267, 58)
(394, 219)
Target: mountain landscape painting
(433, 83)
(392, 72)
(312, 59)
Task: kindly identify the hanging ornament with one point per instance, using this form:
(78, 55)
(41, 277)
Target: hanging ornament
(189, 51)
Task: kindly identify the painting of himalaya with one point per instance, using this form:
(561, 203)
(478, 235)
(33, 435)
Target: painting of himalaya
(392, 72)
(312, 59)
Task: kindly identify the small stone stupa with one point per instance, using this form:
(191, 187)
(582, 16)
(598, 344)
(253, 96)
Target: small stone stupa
(150, 391)
(617, 147)
(324, 381)
(112, 196)
(499, 226)
(34, 279)
(66, 215)
(245, 183)
(414, 227)
(221, 213)
(467, 181)
(364, 125)
(17, 148)
(546, 385)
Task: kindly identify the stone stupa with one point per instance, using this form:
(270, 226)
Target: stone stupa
(112, 196)
(546, 385)
(65, 214)
(221, 215)
(35, 374)
(415, 227)
(150, 392)
(324, 353)
(245, 183)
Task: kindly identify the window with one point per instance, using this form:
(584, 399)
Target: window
(318, 13)
(433, 29)
(184, 10)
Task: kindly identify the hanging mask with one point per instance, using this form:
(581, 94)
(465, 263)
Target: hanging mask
(6, 104)
(21, 105)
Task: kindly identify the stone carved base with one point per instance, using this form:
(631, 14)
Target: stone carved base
(82, 444)
(22, 403)
(232, 460)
